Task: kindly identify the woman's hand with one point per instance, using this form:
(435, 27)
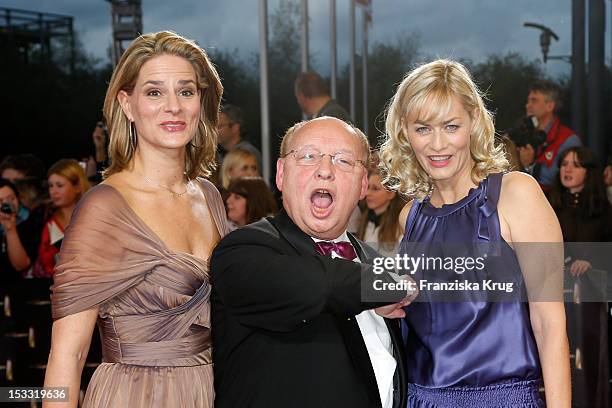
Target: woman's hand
(579, 266)
(394, 311)
(8, 221)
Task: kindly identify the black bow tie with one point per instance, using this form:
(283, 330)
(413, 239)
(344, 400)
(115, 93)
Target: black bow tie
(374, 218)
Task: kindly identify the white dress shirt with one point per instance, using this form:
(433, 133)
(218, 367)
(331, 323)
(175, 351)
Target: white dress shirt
(378, 343)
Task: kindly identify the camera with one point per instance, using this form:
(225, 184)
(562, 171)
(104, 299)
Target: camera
(6, 208)
(526, 132)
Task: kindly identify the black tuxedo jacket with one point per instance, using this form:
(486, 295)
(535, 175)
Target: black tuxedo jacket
(284, 329)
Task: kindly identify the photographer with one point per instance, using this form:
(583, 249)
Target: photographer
(19, 235)
(541, 136)
(95, 164)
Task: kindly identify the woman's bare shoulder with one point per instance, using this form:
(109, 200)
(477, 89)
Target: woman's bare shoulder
(524, 209)
(518, 179)
(521, 189)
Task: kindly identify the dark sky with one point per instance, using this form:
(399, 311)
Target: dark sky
(462, 29)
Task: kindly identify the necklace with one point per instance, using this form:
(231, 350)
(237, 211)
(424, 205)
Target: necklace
(174, 194)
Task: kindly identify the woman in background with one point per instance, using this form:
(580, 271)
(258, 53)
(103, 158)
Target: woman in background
(238, 163)
(579, 199)
(249, 199)
(378, 224)
(67, 184)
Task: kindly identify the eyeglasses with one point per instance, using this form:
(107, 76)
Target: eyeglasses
(311, 156)
(222, 125)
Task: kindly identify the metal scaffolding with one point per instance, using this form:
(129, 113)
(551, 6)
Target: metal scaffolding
(127, 24)
(27, 30)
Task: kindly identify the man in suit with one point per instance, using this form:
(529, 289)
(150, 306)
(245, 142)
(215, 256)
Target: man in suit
(291, 328)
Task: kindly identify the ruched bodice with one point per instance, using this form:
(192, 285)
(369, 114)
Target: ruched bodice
(469, 342)
(154, 310)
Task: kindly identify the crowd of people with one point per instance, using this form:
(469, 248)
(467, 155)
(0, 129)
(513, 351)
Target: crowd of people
(32, 220)
(272, 275)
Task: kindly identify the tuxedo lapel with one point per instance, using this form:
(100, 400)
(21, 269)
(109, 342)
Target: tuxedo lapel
(297, 238)
(359, 353)
(364, 252)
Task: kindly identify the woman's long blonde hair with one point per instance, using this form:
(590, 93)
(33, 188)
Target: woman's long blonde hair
(200, 152)
(426, 94)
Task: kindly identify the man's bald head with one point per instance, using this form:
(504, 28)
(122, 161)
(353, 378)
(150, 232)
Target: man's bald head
(325, 121)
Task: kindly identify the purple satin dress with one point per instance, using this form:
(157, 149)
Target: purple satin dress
(470, 353)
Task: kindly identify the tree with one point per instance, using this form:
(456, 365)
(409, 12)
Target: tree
(240, 88)
(505, 80)
(388, 63)
(284, 62)
(52, 111)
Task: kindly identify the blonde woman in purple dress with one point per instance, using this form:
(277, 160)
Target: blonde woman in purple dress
(474, 349)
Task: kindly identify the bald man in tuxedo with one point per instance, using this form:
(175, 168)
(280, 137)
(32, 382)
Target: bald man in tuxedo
(291, 326)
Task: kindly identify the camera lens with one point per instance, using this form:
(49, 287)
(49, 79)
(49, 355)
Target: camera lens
(6, 208)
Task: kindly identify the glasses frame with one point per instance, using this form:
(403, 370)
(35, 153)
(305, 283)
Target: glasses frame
(321, 155)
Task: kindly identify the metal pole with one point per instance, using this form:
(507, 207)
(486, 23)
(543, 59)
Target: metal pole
(597, 139)
(304, 35)
(333, 47)
(352, 59)
(263, 87)
(578, 68)
(72, 47)
(364, 67)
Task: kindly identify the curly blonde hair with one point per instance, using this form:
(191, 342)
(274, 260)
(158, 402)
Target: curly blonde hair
(200, 152)
(426, 94)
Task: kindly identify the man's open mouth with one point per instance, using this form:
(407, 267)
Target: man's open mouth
(322, 201)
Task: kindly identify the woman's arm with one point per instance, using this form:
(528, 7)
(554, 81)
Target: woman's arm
(532, 227)
(16, 252)
(70, 342)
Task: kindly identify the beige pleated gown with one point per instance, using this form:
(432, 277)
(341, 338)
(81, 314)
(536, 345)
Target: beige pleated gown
(154, 318)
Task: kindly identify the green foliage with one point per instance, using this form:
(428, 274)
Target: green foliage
(388, 63)
(52, 110)
(505, 80)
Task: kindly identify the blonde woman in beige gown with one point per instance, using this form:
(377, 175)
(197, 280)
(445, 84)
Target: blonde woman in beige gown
(135, 256)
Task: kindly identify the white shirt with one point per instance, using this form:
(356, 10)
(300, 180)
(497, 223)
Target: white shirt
(378, 343)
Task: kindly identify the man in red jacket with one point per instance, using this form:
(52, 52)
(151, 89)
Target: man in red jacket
(543, 102)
